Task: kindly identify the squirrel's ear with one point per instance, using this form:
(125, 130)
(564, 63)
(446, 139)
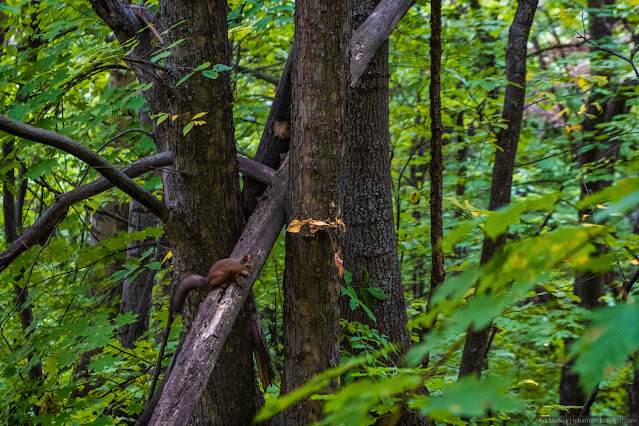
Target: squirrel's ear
(248, 257)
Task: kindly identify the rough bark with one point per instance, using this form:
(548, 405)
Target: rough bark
(311, 282)
(369, 242)
(205, 185)
(192, 367)
(477, 340)
(273, 144)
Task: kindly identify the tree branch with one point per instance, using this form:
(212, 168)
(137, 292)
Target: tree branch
(106, 169)
(56, 212)
(629, 59)
(257, 74)
(256, 170)
(373, 33)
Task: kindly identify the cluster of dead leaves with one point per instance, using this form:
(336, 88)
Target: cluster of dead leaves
(314, 225)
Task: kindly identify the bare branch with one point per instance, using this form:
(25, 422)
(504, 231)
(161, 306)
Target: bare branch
(628, 59)
(106, 169)
(143, 62)
(555, 47)
(56, 212)
(256, 170)
(373, 33)
(257, 74)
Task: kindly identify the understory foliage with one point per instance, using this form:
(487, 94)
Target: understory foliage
(57, 70)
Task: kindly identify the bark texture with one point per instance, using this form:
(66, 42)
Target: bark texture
(477, 340)
(311, 282)
(273, 145)
(203, 191)
(369, 242)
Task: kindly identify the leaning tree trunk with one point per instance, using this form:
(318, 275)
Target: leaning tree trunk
(369, 244)
(477, 340)
(311, 282)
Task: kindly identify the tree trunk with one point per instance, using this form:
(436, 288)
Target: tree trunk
(590, 287)
(205, 186)
(311, 282)
(369, 245)
(437, 274)
(477, 340)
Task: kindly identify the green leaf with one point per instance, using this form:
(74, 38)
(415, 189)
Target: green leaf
(470, 396)
(221, 67)
(160, 56)
(175, 43)
(183, 79)
(353, 303)
(203, 66)
(607, 343)
(12, 50)
(156, 266)
(350, 292)
(348, 277)
(498, 222)
(210, 74)
(376, 293)
(368, 312)
(124, 319)
(188, 128)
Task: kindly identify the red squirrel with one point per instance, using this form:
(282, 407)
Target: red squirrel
(222, 273)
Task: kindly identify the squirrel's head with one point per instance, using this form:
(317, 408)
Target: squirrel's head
(247, 260)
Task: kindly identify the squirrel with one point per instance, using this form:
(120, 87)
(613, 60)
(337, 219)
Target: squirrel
(222, 273)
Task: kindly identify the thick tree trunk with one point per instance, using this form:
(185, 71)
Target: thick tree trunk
(201, 347)
(369, 244)
(203, 191)
(508, 139)
(311, 282)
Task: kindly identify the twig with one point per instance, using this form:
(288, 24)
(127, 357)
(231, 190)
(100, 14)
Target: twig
(629, 59)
